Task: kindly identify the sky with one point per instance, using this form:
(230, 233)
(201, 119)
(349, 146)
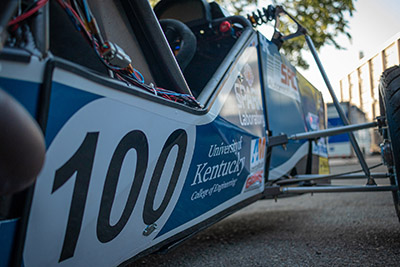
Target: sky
(372, 24)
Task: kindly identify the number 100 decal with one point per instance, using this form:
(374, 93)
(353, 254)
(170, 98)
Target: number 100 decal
(103, 188)
(81, 163)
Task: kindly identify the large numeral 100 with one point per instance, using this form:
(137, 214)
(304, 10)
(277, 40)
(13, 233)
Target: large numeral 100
(81, 163)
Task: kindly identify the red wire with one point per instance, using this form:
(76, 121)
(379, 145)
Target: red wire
(66, 5)
(26, 15)
(39, 5)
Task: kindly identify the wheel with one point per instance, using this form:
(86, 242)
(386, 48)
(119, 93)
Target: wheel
(181, 40)
(389, 90)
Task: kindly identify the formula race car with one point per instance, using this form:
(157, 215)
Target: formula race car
(128, 129)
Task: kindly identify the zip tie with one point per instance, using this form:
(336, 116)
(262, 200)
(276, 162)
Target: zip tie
(154, 89)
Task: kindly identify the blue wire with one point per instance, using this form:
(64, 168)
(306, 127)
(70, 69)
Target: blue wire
(85, 5)
(172, 93)
(136, 78)
(77, 26)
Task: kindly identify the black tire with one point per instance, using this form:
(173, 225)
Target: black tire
(389, 89)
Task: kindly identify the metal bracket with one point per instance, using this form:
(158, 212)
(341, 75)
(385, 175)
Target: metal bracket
(278, 140)
(382, 125)
(272, 191)
(381, 120)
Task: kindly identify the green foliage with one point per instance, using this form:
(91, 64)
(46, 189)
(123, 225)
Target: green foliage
(153, 2)
(238, 6)
(323, 19)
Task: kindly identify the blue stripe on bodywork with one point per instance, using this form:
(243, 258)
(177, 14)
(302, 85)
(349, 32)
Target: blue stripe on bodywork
(27, 93)
(7, 232)
(65, 101)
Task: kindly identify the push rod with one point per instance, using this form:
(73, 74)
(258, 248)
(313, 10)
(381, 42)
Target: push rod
(343, 176)
(337, 189)
(316, 177)
(333, 131)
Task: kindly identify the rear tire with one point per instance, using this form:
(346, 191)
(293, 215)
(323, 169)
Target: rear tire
(389, 89)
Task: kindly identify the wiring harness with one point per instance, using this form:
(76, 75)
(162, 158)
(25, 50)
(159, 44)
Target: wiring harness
(28, 12)
(110, 54)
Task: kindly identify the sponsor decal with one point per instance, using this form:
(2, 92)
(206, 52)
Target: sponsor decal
(254, 181)
(288, 77)
(206, 172)
(222, 149)
(281, 76)
(243, 106)
(248, 99)
(257, 153)
(248, 74)
(313, 121)
(215, 188)
(320, 147)
(323, 166)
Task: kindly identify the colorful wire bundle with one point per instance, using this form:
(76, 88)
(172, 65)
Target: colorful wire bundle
(32, 9)
(84, 21)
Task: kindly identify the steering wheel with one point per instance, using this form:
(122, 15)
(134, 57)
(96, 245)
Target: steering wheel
(181, 40)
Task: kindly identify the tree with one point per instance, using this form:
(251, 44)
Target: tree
(324, 20)
(153, 2)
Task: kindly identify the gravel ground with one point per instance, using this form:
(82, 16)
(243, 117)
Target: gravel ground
(347, 229)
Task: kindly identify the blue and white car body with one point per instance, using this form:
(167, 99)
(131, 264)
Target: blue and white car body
(127, 172)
